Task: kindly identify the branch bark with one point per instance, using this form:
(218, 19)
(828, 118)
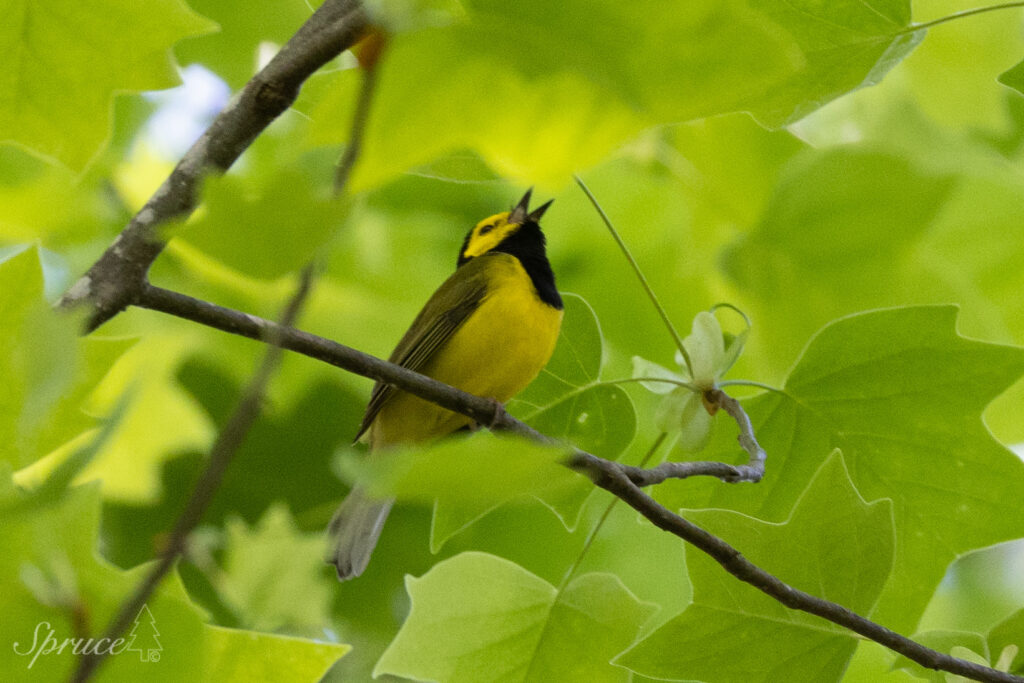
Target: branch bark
(622, 481)
(118, 277)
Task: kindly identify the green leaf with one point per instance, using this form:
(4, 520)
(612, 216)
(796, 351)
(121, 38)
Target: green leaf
(945, 642)
(1014, 78)
(47, 369)
(232, 51)
(273, 574)
(235, 655)
(27, 188)
(822, 250)
(465, 477)
(66, 60)
(901, 394)
(502, 623)
(57, 542)
(844, 45)
(578, 93)
(1007, 635)
(129, 463)
(581, 91)
(283, 213)
(834, 545)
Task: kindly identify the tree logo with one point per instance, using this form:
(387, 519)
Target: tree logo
(144, 638)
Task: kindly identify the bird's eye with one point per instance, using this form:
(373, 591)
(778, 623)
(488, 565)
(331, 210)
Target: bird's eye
(486, 229)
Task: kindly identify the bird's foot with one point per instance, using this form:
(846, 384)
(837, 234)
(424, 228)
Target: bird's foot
(497, 412)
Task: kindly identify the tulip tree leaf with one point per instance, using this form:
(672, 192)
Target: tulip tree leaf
(1006, 641)
(834, 545)
(50, 556)
(464, 477)
(582, 88)
(502, 623)
(47, 368)
(901, 393)
(856, 253)
(299, 596)
(1014, 78)
(66, 60)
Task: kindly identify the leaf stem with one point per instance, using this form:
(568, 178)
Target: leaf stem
(360, 119)
(639, 273)
(913, 28)
(749, 383)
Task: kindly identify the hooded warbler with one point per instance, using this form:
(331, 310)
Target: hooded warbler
(489, 329)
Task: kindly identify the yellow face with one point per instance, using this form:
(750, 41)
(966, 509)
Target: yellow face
(488, 233)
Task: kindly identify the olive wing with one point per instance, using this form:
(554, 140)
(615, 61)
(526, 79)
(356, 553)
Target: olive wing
(445, 312)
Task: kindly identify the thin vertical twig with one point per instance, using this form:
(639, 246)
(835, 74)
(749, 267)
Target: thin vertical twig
(221, 454)
(639, 274)
(369, 62)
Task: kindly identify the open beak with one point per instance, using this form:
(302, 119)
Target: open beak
(521, 214)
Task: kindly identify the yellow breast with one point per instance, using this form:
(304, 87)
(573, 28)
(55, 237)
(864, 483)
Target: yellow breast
(499, 349)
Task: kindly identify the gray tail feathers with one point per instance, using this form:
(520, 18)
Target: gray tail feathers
(354, 531)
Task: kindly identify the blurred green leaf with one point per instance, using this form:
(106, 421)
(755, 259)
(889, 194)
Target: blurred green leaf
(47, 369)
(901, 394)
(282, 213)
(68, 59)
(833, 545)
(64, 535)
(579, 93)
(236, 655)
(821, 250)
(232, 51)
(298, 437)
(844, 45)
(558, 75)
(27, 188)
(502, 623)
(129, 463)
(1007, 635)
(1014, 77)
(273, 575)
(464, 477)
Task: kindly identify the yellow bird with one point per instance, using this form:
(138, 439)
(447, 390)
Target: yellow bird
(489, 329)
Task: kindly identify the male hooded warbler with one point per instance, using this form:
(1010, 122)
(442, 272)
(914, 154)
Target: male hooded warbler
(489, 329)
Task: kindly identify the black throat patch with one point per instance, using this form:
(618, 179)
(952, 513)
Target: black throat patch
(528, 245)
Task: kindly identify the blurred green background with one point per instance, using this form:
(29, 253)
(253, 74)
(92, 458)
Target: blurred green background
(730, 142)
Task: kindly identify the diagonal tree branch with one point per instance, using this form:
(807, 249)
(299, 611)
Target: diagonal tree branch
(622, 481)
(117, 278)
